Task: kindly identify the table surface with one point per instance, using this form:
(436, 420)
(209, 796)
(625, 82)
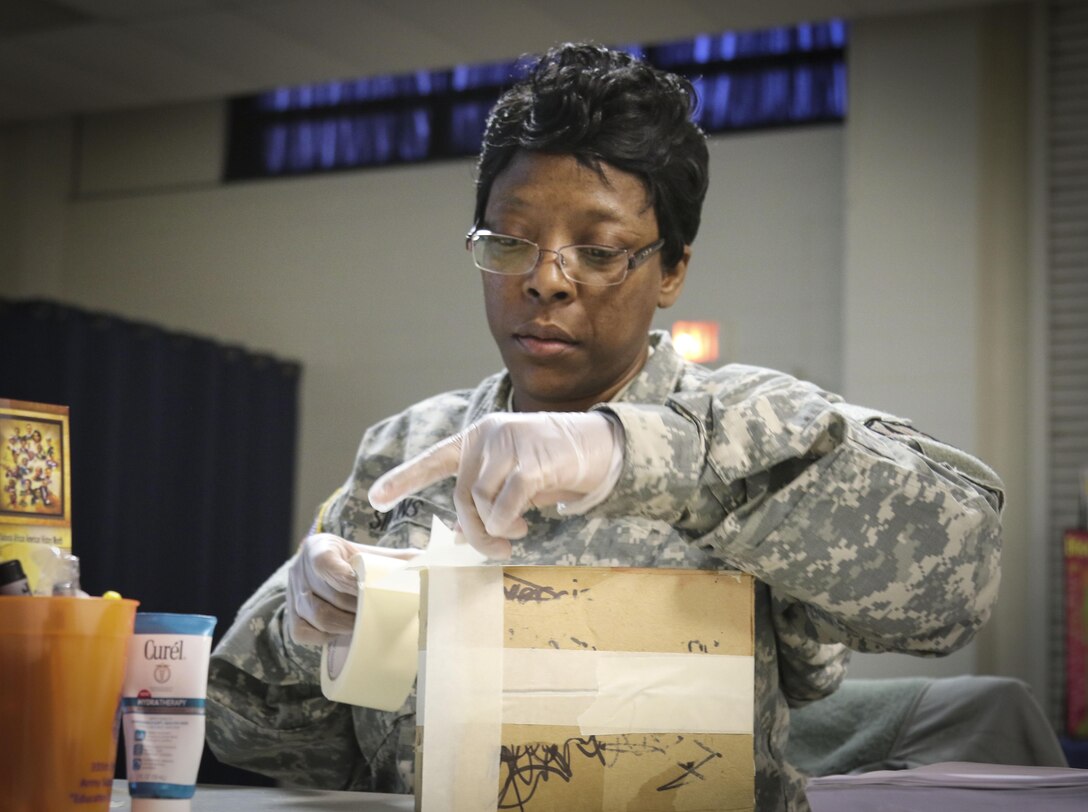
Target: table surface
(256, 799)
(964, 787)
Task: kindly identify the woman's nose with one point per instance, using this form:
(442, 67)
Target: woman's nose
(546, 280)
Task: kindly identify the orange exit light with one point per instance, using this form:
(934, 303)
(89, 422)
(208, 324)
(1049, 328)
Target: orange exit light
(696, 341)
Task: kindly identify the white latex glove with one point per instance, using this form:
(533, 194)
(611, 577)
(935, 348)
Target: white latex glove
(507, 464)
(322, 591)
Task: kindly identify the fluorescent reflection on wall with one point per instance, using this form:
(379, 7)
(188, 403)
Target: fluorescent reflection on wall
(696, 341)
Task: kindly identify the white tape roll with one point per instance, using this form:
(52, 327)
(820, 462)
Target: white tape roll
(376, 664)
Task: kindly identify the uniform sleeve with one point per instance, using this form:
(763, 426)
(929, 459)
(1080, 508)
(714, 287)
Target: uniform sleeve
(874, 535)
(265, 709)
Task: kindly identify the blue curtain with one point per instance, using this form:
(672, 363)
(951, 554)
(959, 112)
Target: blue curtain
(182, 453)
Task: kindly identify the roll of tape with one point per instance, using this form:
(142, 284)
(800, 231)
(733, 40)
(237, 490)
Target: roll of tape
(376, 664)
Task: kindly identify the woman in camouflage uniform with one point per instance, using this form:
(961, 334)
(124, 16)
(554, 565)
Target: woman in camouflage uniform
(863, 533)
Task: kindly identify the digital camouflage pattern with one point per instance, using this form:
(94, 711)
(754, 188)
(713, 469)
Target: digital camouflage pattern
(863, 533)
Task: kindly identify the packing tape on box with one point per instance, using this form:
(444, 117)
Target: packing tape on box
(609, 692)
(375, 665)
(463, 689)
(618, 692)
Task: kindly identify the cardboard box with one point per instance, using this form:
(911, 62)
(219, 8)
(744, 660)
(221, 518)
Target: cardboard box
(1076, 632)
(35, 482)
(569, 688)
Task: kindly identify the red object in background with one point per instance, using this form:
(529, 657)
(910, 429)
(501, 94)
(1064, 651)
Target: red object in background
(696, 341)
(1076, 632)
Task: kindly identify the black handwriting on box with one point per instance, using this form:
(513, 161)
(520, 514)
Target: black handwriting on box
(523, 591)
(690, 769)
(524, 767)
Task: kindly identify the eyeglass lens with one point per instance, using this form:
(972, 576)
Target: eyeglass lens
(588, 264)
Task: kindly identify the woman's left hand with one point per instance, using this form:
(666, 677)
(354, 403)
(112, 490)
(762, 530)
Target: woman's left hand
(506, 464)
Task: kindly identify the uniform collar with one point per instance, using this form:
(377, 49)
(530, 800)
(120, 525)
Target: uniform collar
(659, 375)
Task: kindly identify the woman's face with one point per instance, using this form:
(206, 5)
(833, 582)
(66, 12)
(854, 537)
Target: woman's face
(568, 346)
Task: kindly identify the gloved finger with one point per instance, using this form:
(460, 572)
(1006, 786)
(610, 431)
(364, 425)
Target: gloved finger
(516, 496)
(489, 462)
(324, 616)
(299, 630)
(313, 622)
(484, 466)
(436, 463)
(507, 518)
(310, 619)
(327, 569)
(519, 490)
(547, 498)
(472, 528)
(474, 489)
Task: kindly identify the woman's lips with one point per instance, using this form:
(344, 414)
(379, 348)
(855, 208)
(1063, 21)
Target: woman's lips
(542, 347)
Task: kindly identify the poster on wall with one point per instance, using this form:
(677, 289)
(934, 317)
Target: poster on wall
(36, 489)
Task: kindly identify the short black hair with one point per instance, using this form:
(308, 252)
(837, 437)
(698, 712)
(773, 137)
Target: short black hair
(601, 105)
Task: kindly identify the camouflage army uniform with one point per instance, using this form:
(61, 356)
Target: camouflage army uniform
(863, 534)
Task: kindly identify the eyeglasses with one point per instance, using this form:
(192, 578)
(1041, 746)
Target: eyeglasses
(585, 264)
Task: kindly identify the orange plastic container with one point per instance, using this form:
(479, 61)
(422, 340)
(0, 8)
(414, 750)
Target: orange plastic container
(62, 663)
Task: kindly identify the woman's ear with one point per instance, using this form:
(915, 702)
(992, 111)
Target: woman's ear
(672, 280)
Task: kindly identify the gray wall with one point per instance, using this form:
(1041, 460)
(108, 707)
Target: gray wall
(363, 276)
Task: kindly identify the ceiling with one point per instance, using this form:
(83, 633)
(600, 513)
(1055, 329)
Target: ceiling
(62, 57)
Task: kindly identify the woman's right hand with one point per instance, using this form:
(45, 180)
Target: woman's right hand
(322, 590)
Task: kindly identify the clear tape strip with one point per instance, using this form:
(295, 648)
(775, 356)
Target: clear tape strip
(623, 692)
(606, 692)
(463, 694)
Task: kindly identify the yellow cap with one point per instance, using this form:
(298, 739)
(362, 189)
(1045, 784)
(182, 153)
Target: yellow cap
(113, 596)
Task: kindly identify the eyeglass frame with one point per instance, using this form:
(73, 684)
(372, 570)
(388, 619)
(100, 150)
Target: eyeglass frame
(635, 258)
